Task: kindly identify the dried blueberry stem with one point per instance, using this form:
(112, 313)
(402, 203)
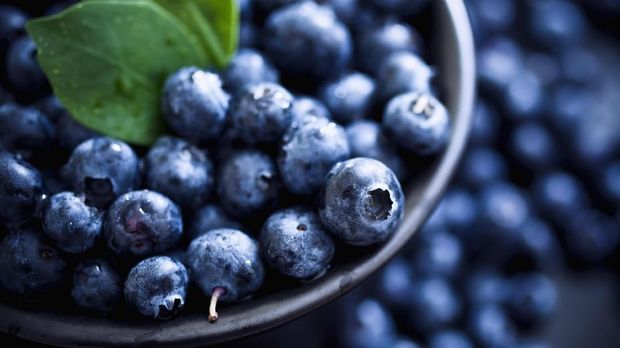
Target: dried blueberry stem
(217, 292)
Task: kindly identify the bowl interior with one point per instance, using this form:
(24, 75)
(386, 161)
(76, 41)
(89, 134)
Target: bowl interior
(453, 52)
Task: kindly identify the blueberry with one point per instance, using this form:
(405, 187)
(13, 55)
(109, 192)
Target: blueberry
(460, 209)
(556, 23)
(308, 152)
(435, 304)
(20, 190)
(395, 283)
(418, 121)
(71, 134)
(486, 286)
(559, 195)
(504, 209)
(450, 339)
(491, 327)
(309, 106)
(103, 169)
(367, 139)
(524, 96)
(294, 242)
(248, 35)
(499, 62)
(438, 253)
(29, 267)
(532, 298)
(591, 236)
(405, 342)
(180, 171)
(581, 64)
(369, 325)
(376, 44)
(156, 287)
(246, 8)
(226, 265)
(12, 23)
(248, 183)
(361, 202)
(403, 72)
(485, 127)
(70, 223)
(50, 107)
(350, 97)
(25, 131)
(610, 181)
(262, 112)
(346, 10)
(594, 140)
(533, 343)
(211, 217)
(569, 104)
(142, 223)
(96, 286)
(307, 40)
(481, 167)
(248, 67)
(194, 104)
(22, 68)
(538, 242)
(533, 146)
(494, 15)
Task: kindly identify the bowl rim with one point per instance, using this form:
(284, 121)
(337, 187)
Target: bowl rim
(274, 310)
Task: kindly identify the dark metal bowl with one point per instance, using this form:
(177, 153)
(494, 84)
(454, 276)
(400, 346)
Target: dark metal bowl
(454, 54)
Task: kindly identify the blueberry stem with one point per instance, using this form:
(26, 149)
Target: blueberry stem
(217, 292)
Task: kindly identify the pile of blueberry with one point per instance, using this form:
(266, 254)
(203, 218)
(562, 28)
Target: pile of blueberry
(304, 137)
(537, 193)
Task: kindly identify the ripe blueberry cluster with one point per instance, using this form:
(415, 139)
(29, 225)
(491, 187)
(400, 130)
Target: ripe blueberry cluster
(297, 147)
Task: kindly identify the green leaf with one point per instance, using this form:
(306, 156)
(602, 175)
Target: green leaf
(107, 59)
(214, 22)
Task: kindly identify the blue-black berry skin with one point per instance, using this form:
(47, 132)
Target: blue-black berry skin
(403, 72)
(142, 223)
(180, 171)
(96, 286)
(398, 7)
(12, 23)
(71, 134)
(25, 131)
(504, 209)
(368, 325)
(228, 259)
(294, 242)
(23, 70)
(248, 67)
(194, 104)
(308, 152)
(102, 168)
(435, 304)
(305, 106)
(450, 339)
(350, 97)
(248, 183)
(491, 327)
(29, 267)
(533, 297)
(418, 121)
(211, 217)
(374, 45)
(156, 287)
(361, 201)
(270, 5)
(481, 167)
(70, 223)
(368, 139)
(261, 112)
(307, 40)
(20, 190)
